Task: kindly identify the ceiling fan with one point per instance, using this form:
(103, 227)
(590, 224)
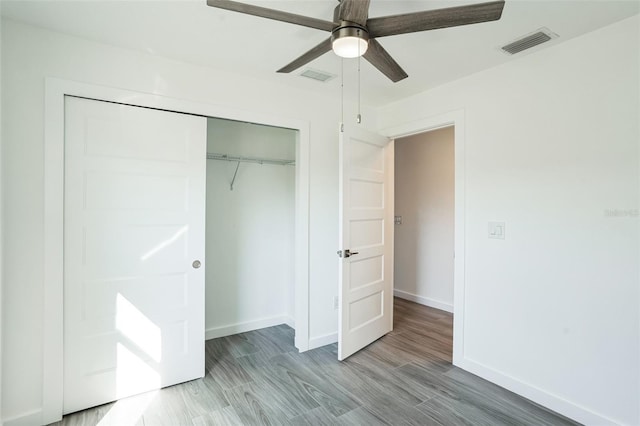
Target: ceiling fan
(354, 34)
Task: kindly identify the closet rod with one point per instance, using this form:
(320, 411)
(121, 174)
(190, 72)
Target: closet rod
(225, 157)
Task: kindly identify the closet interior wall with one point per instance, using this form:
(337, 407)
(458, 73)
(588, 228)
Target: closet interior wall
(250, 228)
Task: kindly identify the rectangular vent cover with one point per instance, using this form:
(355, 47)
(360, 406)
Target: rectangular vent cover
(317, 75)
(536, 38)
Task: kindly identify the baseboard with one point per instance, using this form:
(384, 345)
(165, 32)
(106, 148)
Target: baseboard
(290, 322)
(539, 396)
(423, 300)
(327, 339)
(241, 327)
(33, 417)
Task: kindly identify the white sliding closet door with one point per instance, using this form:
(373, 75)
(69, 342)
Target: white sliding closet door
(133, 250)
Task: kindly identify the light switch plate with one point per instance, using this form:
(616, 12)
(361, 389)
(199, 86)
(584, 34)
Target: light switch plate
(496, 230)
(398, 220)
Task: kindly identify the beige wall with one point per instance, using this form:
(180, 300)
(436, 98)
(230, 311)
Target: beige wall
(424, 189)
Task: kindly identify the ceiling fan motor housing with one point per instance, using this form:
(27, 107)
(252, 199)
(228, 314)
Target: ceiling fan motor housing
(349, 40)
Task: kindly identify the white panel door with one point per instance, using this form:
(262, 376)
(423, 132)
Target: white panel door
(366, 230)
(134, 226)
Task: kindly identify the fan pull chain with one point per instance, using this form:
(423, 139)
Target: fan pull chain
(359, 117)
(342, 95)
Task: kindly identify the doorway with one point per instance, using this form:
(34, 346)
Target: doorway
(424, 218)
(250, 218)
(56, 91)
(424, 239)
(455, 119)
(135, 243)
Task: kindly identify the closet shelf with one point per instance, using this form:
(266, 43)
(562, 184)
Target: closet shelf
(225, 157)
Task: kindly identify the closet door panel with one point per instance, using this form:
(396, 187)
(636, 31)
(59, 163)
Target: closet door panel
(134, 226)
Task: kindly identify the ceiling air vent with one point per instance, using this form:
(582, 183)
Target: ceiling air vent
(536, 38)
(317, 75)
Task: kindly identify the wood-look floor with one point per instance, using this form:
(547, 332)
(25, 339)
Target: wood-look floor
(256, 378)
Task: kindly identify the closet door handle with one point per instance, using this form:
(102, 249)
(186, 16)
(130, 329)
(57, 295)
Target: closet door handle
(196, 264)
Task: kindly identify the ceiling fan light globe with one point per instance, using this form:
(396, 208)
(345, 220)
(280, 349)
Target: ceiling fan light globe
(350, 47)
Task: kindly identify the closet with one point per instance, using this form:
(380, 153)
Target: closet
(250, 217)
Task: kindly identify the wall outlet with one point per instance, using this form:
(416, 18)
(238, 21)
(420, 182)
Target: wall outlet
(397, 220)
(335, 302)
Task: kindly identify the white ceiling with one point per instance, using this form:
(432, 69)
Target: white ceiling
(190, 31)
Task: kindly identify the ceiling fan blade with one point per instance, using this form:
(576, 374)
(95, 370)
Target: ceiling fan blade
(434, 19)
(307, 57)
(381, 59)
(353, 11)
(277, 15)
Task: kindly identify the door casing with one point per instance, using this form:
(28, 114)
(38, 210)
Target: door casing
(55, 91)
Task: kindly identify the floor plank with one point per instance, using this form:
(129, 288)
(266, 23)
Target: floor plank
(225, 416)
(259, 378)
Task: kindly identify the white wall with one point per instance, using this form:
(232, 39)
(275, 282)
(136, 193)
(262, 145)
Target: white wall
(250, 230)
(552, 144)
(423, 243)
(29, 55)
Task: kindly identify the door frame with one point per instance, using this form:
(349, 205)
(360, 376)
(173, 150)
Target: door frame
(55, 91)
(455, 119)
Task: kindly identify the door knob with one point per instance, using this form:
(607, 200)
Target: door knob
(349, 253)
(196, 264)
(346, 253)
